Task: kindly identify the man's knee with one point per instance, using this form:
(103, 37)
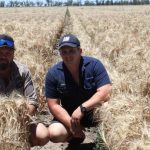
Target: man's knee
(42, 131)
(39, 135)
(58, 133)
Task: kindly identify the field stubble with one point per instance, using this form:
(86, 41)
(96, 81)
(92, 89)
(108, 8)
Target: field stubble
(119, 36)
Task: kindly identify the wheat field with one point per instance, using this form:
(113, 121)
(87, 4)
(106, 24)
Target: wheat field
(117, 35)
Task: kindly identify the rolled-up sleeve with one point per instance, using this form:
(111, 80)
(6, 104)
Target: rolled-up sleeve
(29, 89)
(101, 75)
(51, 85)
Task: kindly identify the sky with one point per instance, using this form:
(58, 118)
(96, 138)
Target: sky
(25, 0)
(44, 1)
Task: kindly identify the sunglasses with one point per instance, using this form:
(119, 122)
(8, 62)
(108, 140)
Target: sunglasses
(6, 43)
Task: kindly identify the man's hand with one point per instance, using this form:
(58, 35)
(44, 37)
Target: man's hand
(76, 129)
(76, 116)
(78, 132)
(32, 109)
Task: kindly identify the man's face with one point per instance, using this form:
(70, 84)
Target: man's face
(6, 57)
(70, 55)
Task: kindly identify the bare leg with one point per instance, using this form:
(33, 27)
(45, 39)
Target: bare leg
(58, 132)
(39, 135)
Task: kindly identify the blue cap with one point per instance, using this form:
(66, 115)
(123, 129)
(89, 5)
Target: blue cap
(68, 40)
(6, 41)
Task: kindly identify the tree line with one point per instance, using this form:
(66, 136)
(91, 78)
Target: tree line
(47, 3)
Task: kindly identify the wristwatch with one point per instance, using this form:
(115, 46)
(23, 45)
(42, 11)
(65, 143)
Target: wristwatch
(83, 109)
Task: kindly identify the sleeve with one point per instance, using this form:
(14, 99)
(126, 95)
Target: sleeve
(100, 75)
(51, 86)
(29, 89)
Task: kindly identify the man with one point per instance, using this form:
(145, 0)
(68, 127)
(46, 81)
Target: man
(17, 77)
(73, 88)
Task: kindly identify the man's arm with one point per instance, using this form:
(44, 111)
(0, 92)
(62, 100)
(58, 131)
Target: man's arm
(59, 112)
(30, 92)
(55, 108)
(53, 101)
(103, 84)
(62, 115)
(101, 96)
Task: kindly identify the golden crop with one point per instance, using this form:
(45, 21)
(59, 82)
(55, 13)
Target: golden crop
(117, 35)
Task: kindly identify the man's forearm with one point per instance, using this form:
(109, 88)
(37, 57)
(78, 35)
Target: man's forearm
(61, 114)
(101, 96)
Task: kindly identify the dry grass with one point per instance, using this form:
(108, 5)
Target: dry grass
(35, 32)
(13, 124)
(120, 37)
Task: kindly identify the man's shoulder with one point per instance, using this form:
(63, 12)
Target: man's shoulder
(90, 60)
(20, 66)
(55, 70)
(56, 67)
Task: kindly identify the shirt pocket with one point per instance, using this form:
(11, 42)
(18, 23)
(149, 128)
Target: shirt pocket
(89, 83)
(62, 88)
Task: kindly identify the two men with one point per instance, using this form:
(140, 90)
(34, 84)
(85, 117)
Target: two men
(73, 88)
(17, 77)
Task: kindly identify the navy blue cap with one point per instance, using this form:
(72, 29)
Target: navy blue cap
(69, 40)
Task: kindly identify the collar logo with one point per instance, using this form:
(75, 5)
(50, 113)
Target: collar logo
(65, 39)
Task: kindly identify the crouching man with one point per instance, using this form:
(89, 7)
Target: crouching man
(73, 88)
(15, 76)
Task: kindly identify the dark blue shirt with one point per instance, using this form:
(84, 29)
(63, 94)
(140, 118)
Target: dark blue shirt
(59, 83)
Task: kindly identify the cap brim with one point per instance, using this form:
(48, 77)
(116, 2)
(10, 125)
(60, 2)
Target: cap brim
(67, 44)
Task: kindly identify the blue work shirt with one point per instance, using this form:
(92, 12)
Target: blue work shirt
(59, 83)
